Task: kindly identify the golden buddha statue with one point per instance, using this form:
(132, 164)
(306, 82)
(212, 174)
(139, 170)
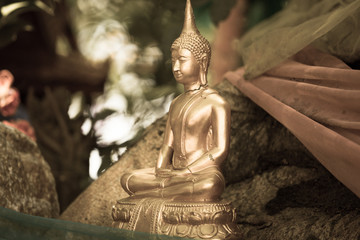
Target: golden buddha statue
(196, 138)
(185, 186)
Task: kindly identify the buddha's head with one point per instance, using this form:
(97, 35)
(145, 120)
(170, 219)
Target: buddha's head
(190, 52)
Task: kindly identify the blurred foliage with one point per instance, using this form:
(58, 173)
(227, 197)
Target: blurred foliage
(11, 20)
(152, 22)
(259, 10)
(61, 140)
(220, 9)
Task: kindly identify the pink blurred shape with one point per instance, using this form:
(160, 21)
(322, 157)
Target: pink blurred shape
(9, 97)
(6, 79)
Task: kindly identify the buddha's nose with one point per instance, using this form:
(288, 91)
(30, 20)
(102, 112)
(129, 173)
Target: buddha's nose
(176, 66)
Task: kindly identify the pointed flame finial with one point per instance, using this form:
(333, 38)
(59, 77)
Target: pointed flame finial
(189, 20)
(190, 37)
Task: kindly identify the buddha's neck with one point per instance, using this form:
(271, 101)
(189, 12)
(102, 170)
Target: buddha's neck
(192, 87)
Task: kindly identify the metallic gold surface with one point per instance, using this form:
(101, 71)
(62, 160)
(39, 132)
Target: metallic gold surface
(184, 219)
(187, 175)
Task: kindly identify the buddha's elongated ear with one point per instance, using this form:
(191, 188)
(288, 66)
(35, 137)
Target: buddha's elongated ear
(204, 60)
(203, 68)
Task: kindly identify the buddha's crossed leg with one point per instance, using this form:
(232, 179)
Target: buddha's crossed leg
(206, 185)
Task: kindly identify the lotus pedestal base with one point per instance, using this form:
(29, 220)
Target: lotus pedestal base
(201, 220)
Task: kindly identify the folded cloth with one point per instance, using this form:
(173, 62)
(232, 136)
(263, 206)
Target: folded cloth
(331, 25)
(317, 97)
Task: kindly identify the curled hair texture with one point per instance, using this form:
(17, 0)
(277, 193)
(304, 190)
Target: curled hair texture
(195, 43)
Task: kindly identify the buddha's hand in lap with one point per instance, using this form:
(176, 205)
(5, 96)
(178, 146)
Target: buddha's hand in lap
(163, 172)
(166, 173)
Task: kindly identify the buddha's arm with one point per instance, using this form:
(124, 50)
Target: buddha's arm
(220, 119)
(166, 150)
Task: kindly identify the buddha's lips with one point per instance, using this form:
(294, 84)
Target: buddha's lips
(177, 74)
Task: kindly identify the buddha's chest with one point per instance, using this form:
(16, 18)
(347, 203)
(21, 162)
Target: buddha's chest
(192, 116)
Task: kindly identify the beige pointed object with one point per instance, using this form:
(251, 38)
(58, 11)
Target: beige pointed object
(189, 20)
(191, 38)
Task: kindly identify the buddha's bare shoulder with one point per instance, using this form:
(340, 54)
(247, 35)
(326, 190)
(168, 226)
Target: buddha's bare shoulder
(173, 102)
(215, 98)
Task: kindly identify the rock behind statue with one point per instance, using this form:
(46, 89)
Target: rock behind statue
(26, 182)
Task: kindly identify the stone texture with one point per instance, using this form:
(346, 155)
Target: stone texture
(295, 203)
(280, 190)
(26, 182)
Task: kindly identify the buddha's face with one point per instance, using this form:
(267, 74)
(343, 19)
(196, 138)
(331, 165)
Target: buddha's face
(185, 68)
